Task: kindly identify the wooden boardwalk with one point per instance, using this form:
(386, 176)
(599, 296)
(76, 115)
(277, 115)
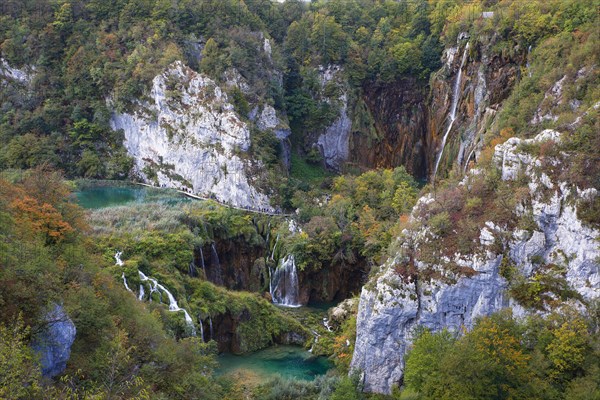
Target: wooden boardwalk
(197, 197)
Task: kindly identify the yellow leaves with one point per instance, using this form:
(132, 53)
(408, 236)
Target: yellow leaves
(568, 347)
(500, 344)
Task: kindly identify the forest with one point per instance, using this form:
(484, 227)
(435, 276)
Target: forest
(67, 67)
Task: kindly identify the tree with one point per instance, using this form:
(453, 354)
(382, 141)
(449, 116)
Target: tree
(567, 349)
(424, 359)
(20, 374)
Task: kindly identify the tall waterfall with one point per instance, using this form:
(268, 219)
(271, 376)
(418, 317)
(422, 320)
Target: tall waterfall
(173, 306)
(216, 266)
(455, 98)
(284, 283)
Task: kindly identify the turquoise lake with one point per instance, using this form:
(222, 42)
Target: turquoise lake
(286, 361)
(96, 197)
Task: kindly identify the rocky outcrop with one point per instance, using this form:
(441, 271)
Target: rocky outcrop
(269, 120)
(53, 343)
(187, 136)
(14, 74)
(333, 143)
(409, 292)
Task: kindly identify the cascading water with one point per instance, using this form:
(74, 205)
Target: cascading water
(201, 331)
(216, 266)
(455, 98)
(125, 282)
(173, 306)
(274, 247)
(211, 327)
(142, 293)
(284, 283)
(202, 262)
(118, 260)
(192, 270)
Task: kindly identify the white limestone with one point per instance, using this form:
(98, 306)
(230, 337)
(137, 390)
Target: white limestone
(189, 135)
(391, 306)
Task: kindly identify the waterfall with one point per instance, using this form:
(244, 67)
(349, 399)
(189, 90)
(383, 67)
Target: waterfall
(455, 98)
(283, 284)
(214, 258)
(326, 324)
(142, 293)
(468, 158)
(173, 306)
(125, 282)
(118, 260)
(211, 327)
(192, 269)
(274, 247)
(201, 331)
(527, 65)
(202, 263)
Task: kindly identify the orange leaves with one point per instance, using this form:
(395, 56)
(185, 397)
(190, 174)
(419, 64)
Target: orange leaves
(41, 218)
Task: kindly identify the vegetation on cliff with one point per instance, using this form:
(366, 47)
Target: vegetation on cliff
(79, 56)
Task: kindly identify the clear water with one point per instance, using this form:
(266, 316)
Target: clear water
(96, 197)
(286, 361)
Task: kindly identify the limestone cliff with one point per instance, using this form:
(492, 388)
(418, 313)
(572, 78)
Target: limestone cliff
(452, 291)
(188, 136)
(477, 86)
(399, 114)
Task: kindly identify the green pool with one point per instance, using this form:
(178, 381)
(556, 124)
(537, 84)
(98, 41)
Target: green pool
(285, 361)
(95, 197)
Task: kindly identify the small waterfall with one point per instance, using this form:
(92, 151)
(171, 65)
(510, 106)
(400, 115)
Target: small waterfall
(214, 258)
(173, 306)
(284, 283)
(468, 159)
(201, 331)
(455, 98)
(528, 65)
(326, 324)
(202, 262)
(192, 269)
(315, 341)
(118, 260)
(211, 327)
(125, 282)
(274, 247)
(142, 293)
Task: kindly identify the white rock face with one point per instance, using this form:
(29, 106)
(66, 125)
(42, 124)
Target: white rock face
(334, 143)
(14, 74)
(188, 137)
(391, 305)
